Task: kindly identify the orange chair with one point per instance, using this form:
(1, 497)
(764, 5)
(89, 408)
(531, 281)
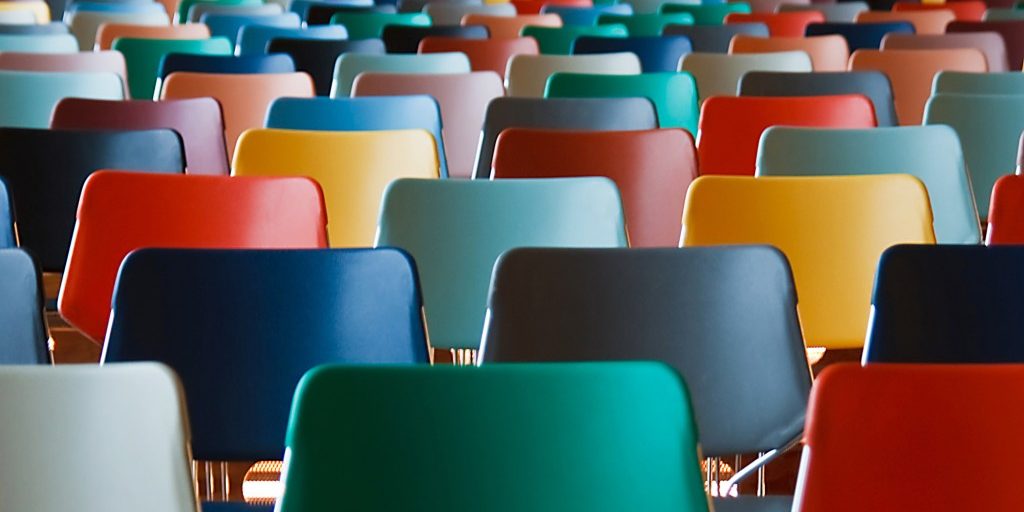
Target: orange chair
(911, 437)
(1006, 212)
(94, 62)
(652, 168)
(924, 22)
(963, 10)
(484, 54)
(828, 53)
(243, 98)
(782, 24)
(109, 31)
(730, 127)
(989, 43)
(534, 6)
(509, 27)
(123, 211)
(912, 71)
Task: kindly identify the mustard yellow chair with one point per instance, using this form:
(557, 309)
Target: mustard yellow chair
(353, 168)
(832, 229)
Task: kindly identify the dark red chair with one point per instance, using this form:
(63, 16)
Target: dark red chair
(1011, 30)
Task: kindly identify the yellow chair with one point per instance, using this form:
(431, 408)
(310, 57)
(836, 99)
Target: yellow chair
(832, 229)
(353, 168)
(40, 10)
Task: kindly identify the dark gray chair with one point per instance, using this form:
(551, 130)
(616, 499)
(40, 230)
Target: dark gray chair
(317, 56)
(715, 38)
(23, 338)
(592, 114)
(406, 39)
(860, 36)
(44, 29)
(873, 84)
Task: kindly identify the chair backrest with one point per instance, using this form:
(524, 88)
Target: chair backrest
(27, 98)
(226, 64)
(656, 53)
(590, 114)
(8, 239)
(140, 438)
(715, 38)
(253, 39)
(122, 211)
(646, 24)
(827, 53)
(317, 56)
(508, 27)
(651, 168)
(989, 127)
(873, 84)
(989, 43)
(535, 6)
(419, 112)
(244, 99)
(528, 74)
(861, 36)
(406, 39)
(832, 230)
(199, 10)
(584, 16)
(955, 82)
(311, 307)
(463, 99)
(230, 25)
(707, 14)
(912, 72)
(911, 412)
(484, 54)
(80, 62)
(449, 13)
(965, 10)
(930, 153)
(353, 168)
(24, 338)
(54, 27)
(549, 305)
(559, 40)
(924, 22)
(184, 15)
(730, 128)
(108, 32)
(19, 17)
(320, 12)
(720, 74)
(1003, 14)
(674, 94)
(367, 24)
(844, 12)
(456, 230)
(782, 24)
(350, 65)
(38, 43)
(1005, 219)
(143, 57)
(591, 414)
(1011, 30)
(85, 24)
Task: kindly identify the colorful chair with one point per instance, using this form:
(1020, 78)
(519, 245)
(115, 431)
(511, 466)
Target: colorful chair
(585, 16)
(559, 40)
(706, 14)
(528, 74)
(447, 13)
(827, 53)
(484, 54)
(108, 32)
(720, 74)
(40, 43)
(715, 38)
(656, 53)
(1012, 32)
(510, 27)
(27, 98)
(989, 43)
(24, 338)
(225, 64)
(860, 36)
(674, 94)
(954, 82)
(183, 16)
(85, 24)
(964, 10)
(364, 25)
(317, 57)
(350, 65)
(924, 22)
(406, 39)
(230, 25)
(646, 24)
(844, 12)
(873, 84)
(143, 57)
(783, 24)
(253, 39)
(80, 62)
(1005, 225)
(535, 6)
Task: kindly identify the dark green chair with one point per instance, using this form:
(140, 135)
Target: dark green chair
(367, 25)
(559, 40)
(646, 24)
(674, 94)
(707, 14)
(143, 56)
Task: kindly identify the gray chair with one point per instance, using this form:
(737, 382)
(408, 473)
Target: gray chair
(23, 339)
(958, 82)
(715, 38)
(873, 84)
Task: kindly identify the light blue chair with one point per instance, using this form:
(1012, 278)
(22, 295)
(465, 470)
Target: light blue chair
(350, 65)
(253, 39)
(229, 25)
(27, 98)
(23, 339)
(7, 240)
(956, 82)
(38, 43)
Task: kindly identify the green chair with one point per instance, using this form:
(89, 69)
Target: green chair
(184, 6)
(674, 94)
(456, 230)
(1003, 14)
(38, 43)
(566, 437)
(646, 24)
(27, 98)
(929, 153)
(350, 65)
(989, 127)
(367, 24)
(707, 14)
(143, 56)
(558, 40)
(955, 82)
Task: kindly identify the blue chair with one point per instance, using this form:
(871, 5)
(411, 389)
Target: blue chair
(23, 339)
(114, 7)
(585, 16)
(6, 218)
(860, 35)
(270, 63)
(656, 54)
(360, 114)
(229, 25)
(253, 39)
(44, 29)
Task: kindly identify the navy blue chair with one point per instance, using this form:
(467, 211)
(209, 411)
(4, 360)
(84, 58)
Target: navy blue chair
(573, 16)
(7, 239)
(948, 304)
(229, 25)
(860, 35)
(406, 39)
(271, 63)
(317, 56)
(657, 54)
(254, 39)
(320, 12)
(23, 338)
(715, 38)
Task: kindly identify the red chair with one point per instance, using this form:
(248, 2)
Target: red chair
(730, 127)
(484, 54)
(652, 168)
(123, 211)
(534, 6)
(913, 437)
(1012, 32)
(969, 10)
(782, 24)
(1006, 212)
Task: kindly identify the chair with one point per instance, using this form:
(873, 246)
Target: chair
(585, 413)
(1003, 14)
(85, 24)
(108, 32)
(860, 36)
(406, 39)
(912, 72)
(783, 24)
(24, 339)
(198, 122)
(38, 8)
(989, 128)
(350, 65)
(509, 27)
(199, 10)
(965, 10)
(707, 14)
(364, 25)
(420, 112)
(122, 211)
(253, 39)
(244, 99)
(646, 24)
(852, 421)
(81, 62)
(1005, 226)
(720, 74)
(183, 14)
(674, 94)
(143, 57)
(52, 28)
(353, 168)
(140, 439)
(26, 18)
(559, 40)
(989, 43)
(1012, 32)
(953, 82)
(226, 64)
(42, 43)
(8, 239)
(715, 38)
(27, 98)
(528, 74)
(658, 54)
(529, 7)
(841, 12)
(584, 16)
(484, 54)
(652, 169)
(456, 230)
(447, 13)
(873, 84)
(230, 25)
(317, 57)
(831, 229)
(589, 114)
(321, 12)
(924, 22)
(930, 153)
(827, 53)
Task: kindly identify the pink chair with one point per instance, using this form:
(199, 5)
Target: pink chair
(101, 62)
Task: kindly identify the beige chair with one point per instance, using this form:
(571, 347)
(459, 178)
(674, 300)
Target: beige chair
(85, 24)
(528, 74)
(719, 74)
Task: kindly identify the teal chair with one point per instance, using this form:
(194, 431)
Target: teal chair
(184, 6)
(369, 25)
(930, 153)
(989, 127)
(1003, 14)
(565, 437)
(350, 65)
(707, 14)
(674, 94)
(956, 82)
(559, 40)
(38, 43)
(142, 58)
(254, 39)
(649, 24)
(455, 230)
(27, 98)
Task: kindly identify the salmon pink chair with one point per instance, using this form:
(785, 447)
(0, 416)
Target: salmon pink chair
(109, 31)
(963, 10)
(827, 53)
(81, 62)
(509, 27)
(924, 22)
